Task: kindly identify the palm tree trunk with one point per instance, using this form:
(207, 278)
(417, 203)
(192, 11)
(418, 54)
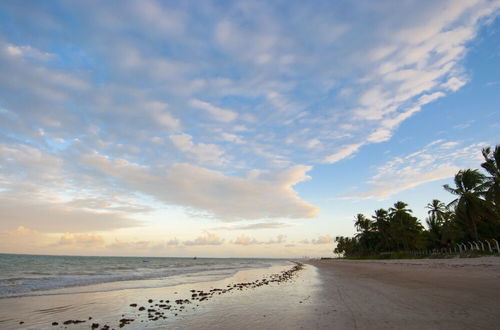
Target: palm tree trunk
(472, 220)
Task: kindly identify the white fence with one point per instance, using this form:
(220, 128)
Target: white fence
(485, 246)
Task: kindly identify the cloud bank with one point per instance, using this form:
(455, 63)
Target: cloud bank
(213, 107)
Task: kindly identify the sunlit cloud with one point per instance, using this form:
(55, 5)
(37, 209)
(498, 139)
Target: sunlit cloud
(256, 226)
(207, 239)
(230, 198)
(86, 240)
(247, 240)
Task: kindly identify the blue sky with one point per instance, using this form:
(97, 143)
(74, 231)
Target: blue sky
(224, 128)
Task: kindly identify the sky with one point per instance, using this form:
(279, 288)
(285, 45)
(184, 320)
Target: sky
(234, 128)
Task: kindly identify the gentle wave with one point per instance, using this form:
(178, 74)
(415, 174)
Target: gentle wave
(41, 275)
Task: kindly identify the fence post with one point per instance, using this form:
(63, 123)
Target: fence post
(489, 245)
(496, 243)
(482, 245)
(471, 246)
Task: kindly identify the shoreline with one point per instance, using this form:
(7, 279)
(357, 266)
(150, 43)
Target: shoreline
(323, 294)
(135, 308)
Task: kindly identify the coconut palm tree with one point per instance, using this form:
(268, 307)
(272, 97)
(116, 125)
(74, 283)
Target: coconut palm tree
(437, 211)
(362, 223)
(470, 188)
(492, 166)
(404, 227)
(399, 208)
(381, 226)
(435, 229)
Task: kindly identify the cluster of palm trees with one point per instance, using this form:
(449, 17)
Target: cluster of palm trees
(473, 215)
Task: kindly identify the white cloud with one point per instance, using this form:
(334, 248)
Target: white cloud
(207, 239)
(201, 152)
(23, 240)
(245, 240)
(344, 152)
(141, 247)
(261, 195)
(454, 84)
(49, 216)
(278, 240)
(39, 192)
(325, 239)
(233, 138)
(220, 114)
(427, 98)
(417, 61)
(86, 240)
(438, 160)
(29, 52)
(256, 226)
(160, 114)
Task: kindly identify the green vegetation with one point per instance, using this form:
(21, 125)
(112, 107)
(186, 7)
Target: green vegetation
(473, 215)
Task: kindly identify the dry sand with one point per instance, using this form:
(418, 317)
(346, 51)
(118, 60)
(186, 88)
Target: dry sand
(410, 294)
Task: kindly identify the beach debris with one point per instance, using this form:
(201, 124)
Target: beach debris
(21, 322)
(73, 322)
(199, 295)
(125, 321)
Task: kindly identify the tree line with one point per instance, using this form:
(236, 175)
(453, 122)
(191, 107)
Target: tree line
(473, 215)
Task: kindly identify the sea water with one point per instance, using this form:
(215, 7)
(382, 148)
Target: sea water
(30, 275)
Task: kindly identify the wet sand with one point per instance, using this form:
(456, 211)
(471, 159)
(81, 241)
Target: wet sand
(189, 306)
(410, 294)
(325, 294)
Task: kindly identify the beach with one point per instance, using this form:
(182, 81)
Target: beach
(410, 294)
(200, 302)
(321, 294)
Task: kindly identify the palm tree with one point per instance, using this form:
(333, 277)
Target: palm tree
(403, 226)
(399, 208)
(381, 226)
(437, 211)
(435, 229)
(362, 223)
(470, 188)
(492, 166)
(365, 235)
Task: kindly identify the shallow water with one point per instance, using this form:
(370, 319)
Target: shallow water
(28, 275)
(265, 307)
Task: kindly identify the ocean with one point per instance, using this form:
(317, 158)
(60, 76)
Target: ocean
(35, 275)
